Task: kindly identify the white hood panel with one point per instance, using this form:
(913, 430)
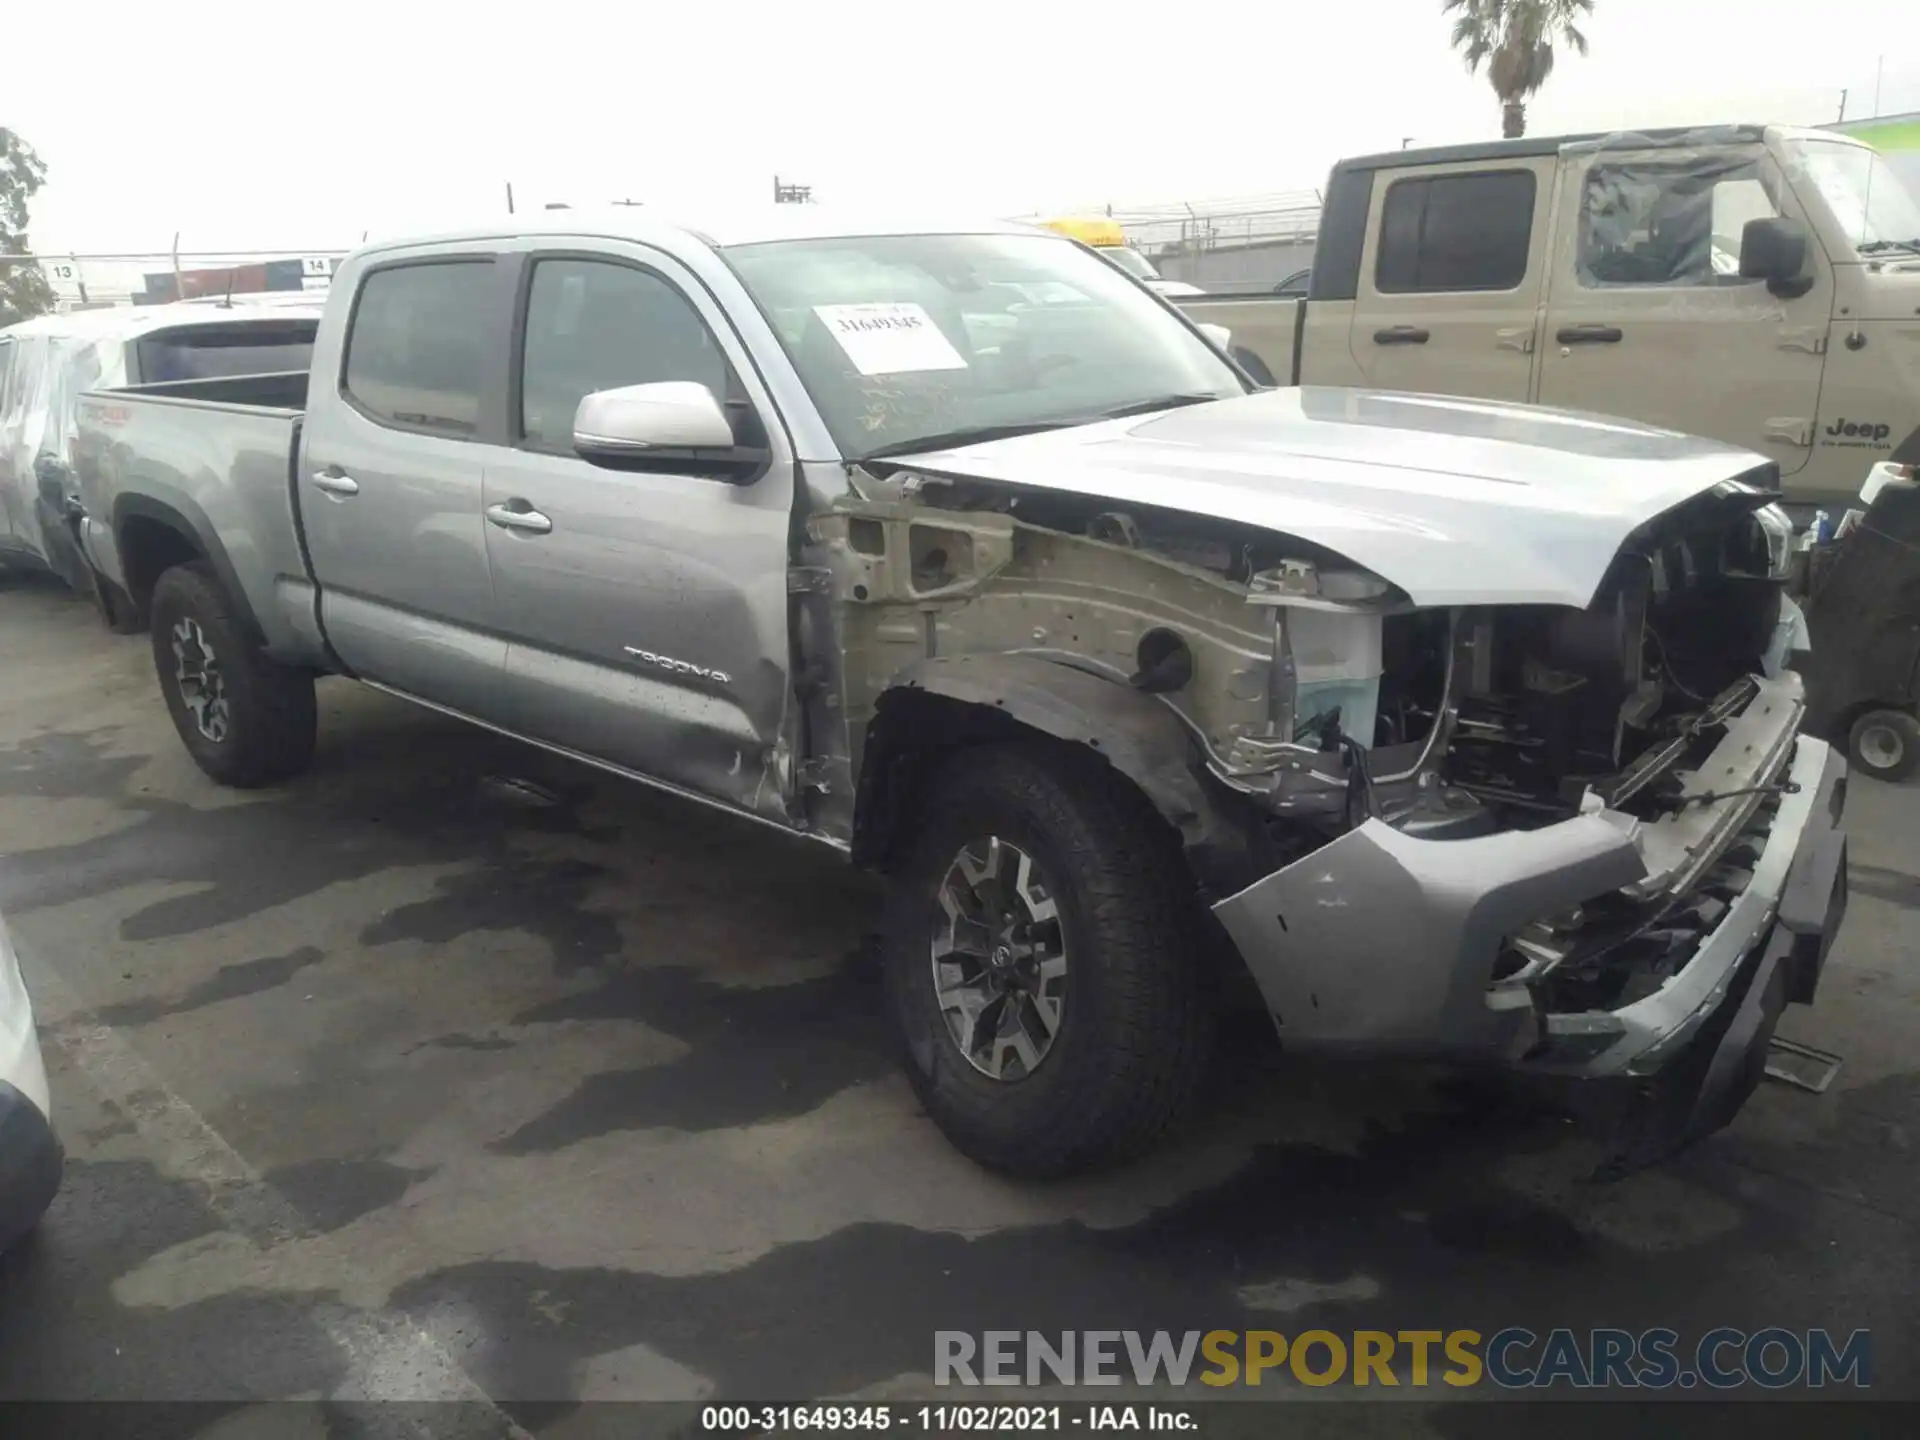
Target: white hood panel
(1457, 502)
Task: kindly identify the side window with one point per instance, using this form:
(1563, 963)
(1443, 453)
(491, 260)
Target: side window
(596, 325)
(1668, 224)
(1441, 233)
(415, 351)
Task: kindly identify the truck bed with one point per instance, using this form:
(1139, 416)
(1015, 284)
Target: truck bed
(213, 460)
(278, 390)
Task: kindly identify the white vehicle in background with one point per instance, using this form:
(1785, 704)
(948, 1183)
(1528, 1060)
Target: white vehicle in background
(47, 362)
(1109, 241)
(30, 1156)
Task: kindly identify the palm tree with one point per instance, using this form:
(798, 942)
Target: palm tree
(1514, 40)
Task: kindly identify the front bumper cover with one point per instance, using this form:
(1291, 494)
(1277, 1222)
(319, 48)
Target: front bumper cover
(1382, 943)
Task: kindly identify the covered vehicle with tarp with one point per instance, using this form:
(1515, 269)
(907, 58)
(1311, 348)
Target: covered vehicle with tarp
(48, 362)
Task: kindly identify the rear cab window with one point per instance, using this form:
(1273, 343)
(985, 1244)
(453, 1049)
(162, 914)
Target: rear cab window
(1455, 232)
(417, 344)
(213, 352)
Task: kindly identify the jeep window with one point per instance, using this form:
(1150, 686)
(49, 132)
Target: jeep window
(1655, 224)
(416, 345)
(1867, 196)
(1442, 233)
(906, 337)
(594, 325)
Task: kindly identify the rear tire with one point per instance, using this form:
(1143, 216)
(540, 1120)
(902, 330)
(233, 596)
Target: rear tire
(1096, 888)
(1885, 744)
(246, 720)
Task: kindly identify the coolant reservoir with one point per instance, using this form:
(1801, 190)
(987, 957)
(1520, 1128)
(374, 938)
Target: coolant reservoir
(1337, 657)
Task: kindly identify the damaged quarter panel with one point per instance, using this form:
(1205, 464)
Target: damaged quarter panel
(1047, 629)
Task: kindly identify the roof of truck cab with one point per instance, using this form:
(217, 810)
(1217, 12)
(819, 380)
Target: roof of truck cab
(126, 322)
(721, 228)
(1532, 146)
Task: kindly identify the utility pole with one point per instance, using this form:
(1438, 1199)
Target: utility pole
(1406, 140)
(1843, 108)
(1879, 73)
(509, 197)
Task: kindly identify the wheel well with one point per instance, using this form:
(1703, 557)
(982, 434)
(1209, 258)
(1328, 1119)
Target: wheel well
(913, 730)
(149, 547)
(909, 733)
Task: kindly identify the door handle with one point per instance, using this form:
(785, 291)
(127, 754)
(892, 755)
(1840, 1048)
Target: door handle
(507, 518)
(1589, 335)
(335, 483)
(1400, 335)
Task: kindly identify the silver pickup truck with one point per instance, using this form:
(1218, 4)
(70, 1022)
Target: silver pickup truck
(1440, 726)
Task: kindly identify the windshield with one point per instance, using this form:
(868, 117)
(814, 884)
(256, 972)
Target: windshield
(900, 338)
(1865, 194)
(1131, 261)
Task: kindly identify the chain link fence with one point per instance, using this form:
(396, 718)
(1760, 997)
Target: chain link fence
(1252, 243)
(102, 279)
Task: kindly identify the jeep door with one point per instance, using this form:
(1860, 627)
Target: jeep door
(644, 609)
(1450, 281)
(1648, 318)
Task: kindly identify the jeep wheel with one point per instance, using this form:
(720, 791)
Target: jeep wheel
(1039, 948)
(246, 720)
(1885, 744)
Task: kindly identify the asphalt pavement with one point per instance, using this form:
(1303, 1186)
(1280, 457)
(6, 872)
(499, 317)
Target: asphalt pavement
(457, 1072)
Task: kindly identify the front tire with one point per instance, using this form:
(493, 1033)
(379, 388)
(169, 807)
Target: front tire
(246, 720)
(1041, 958)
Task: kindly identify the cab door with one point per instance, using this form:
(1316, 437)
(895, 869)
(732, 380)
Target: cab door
(392, 462)
(1451, 278)
(1648, 318)
(645, 608)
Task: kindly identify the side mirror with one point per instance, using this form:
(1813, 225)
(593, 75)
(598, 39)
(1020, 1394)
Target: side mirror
(1220, 335)
(668, 425)
(1774, 250)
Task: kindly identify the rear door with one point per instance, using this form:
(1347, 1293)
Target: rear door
(390, 478)
(1451, 278)
(1648, 317)
(645, 610)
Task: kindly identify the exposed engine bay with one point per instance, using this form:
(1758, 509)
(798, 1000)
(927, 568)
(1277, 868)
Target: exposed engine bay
(1324, 696)
(1452, 721)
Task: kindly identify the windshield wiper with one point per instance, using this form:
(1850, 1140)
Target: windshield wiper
(1875, 247)
(970, 435)
(1159, 402)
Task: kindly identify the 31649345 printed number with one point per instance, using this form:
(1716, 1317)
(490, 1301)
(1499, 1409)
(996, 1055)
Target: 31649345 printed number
(935, 1419)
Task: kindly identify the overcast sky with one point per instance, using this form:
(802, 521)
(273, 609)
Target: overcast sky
(296, 127)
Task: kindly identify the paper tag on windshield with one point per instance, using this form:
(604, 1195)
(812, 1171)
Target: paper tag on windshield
(889, 339)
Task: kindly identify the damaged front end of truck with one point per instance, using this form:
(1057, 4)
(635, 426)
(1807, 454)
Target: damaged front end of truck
(1583, 839)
